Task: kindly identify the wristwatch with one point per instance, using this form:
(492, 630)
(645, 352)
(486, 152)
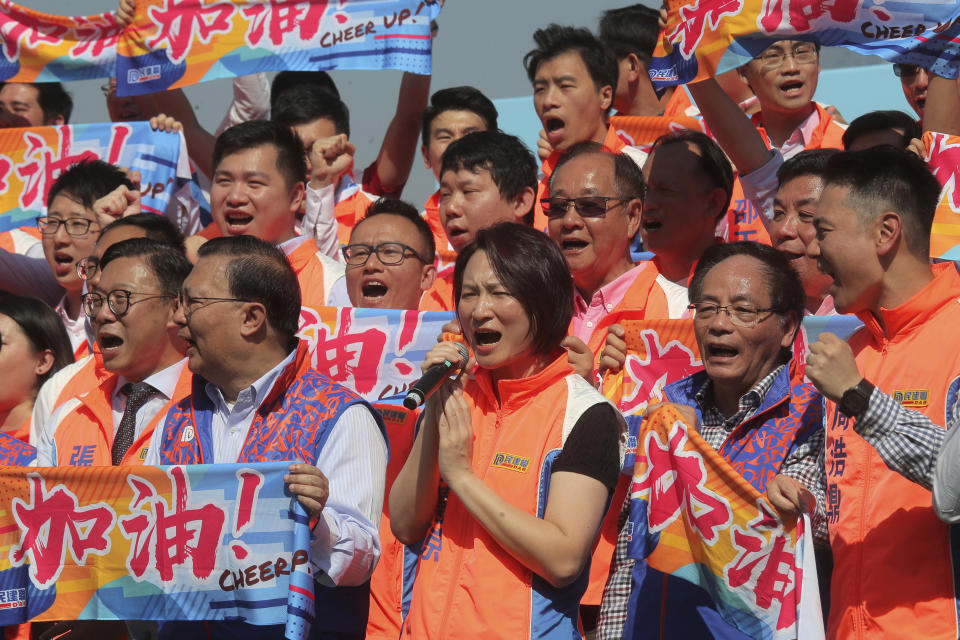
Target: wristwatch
(854, 400)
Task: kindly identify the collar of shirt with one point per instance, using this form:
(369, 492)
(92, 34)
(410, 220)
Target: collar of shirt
(76, 328)
(586, 315)
(251, 397)
(801, 136)
(289, 246)
(164, 381)
(747, 405)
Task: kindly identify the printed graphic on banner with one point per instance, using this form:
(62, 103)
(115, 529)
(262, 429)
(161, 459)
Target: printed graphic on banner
(175, 43)
(374, 352)
(32, 158)
(16, 453)
(197, 542)
(643, 131)
(707, 37)
(694, 517)
(39, 47)
(943, 158)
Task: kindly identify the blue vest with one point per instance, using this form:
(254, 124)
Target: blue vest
(788, 415)
(293, 423)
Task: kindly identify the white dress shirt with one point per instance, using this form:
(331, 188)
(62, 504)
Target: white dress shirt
(346, 543)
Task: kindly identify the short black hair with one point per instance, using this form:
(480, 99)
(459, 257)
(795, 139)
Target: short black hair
(285, 80)
(458, 99)
(632, 29)
(530, 266)
(305, 103)
(260, 272)
(556, 40)
(786, 289)
(627, 177)
(169, 264)
(811, 162)
(291, 162)
(406, 210)
(157, 228)
(880, 120)
(886, 178)
(87, 181)
(511, 165)
(713, 162)
(43, 328)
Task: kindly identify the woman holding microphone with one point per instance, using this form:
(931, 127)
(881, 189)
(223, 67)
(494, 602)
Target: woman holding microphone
(513, 466)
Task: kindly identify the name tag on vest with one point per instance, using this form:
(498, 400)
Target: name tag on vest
(510, 461)
(912, 398)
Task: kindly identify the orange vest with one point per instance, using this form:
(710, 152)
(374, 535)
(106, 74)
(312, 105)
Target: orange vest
(210, 231)
(892, 575)
(19, 240)
(744, 222)
(643, 131)
(439, 297)
(349, 212)
(386, 583)
(467, 585)
(612, 142)
(83, 434)
(309, 270)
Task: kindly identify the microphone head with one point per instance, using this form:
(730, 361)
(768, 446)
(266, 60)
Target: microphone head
(464, 353)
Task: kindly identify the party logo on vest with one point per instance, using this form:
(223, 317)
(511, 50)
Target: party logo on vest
(510, 461)
(188, 434)
(912, 398)
(143, 454)
(13, 598)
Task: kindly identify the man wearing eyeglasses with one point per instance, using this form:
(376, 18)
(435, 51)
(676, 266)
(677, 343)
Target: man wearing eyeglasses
(914, 80)
(390, 257)
(256, 399)
(131, 310)
(747, 304)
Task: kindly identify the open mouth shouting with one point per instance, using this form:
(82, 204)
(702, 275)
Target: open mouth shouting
(792, 88)
(110, 343)
(485, 340)
(373, 292)
(63, 264)
(556, 129)
(237, 222)
(721, 354)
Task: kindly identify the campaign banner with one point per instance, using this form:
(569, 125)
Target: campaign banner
(374, 352)
(943, 158)
(697, 519)
(39, 47)
(175, 43)
(707, 37)
(31, 159)
(196, 542)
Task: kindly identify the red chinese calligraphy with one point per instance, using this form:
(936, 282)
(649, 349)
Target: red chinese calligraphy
(281, 17)
(766, 565)
(180, 21)
(674, 480)
(693, 22)
(5, 166)
(165, 536)
(352, 358)
(95, 35)
(796, 16)
(18, 28)
(41, 164)
(656, 368)
(52, 523)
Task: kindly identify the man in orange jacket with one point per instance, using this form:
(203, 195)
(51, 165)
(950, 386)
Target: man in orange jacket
(131, 310)
(889, 393)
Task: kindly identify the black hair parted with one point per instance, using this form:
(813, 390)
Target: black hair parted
(159, 229)
(811, 162)
(305, 103)
(395, 207)
(556, 40)
(532, 269)
(511, 165)
(880, 120)
(285, 80)
(291, 162)
(43, 328)
(168, 263)
(713, 162)
(260, 272)
(632, 29)
(627, 176)
(87, 181)
(458, 99)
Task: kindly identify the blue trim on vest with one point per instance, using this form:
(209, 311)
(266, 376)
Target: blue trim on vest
(554, 611)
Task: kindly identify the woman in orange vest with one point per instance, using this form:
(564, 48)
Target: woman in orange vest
(513, 466)
(33, 346)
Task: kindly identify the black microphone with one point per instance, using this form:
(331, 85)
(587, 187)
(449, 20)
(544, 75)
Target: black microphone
(432, 379)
